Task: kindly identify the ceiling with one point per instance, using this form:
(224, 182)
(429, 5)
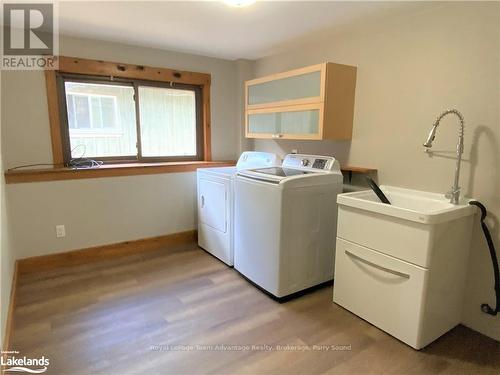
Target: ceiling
(213, 28)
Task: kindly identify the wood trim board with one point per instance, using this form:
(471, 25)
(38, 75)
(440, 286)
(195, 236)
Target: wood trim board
(78, 65)
(207, 126)
(54, 119)
(97, 253)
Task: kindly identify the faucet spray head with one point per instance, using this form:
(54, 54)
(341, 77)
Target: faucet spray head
(430, 137)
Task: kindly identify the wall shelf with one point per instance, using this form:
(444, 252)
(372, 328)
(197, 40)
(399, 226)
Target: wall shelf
(350, 168)
(353, 169)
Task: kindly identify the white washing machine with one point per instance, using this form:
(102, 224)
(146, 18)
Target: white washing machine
(216, 203)
(285, 223)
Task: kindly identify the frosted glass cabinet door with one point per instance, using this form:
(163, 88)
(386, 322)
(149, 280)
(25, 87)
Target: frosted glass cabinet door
(314, 102)
(300, 122)
(264, 123)
(279, 124)
(307, 85)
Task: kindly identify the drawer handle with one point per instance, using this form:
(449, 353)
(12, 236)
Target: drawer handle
(394, 272)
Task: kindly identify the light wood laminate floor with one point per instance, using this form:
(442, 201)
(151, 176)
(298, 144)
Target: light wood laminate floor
(126, 316)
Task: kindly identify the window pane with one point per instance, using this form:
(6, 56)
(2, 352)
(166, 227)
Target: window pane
(96, 112)
(168, 121)
(82, 112)
(101, 120)
(108, 107)
(71, 111)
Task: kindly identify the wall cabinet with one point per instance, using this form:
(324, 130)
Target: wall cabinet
(315, 102)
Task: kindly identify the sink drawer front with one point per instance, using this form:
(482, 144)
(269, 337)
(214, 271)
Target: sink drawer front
(384, 291)
(399, 238)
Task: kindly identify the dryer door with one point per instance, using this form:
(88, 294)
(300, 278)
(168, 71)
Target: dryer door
(213, 203)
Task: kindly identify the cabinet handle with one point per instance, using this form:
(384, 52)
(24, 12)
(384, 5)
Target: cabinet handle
(394, 272)
(202, 201)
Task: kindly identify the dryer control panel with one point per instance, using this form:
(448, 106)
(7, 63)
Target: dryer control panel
(311, 162)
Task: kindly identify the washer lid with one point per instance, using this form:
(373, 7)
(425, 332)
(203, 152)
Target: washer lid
(282, 172)
(277, 175)
(256, 159)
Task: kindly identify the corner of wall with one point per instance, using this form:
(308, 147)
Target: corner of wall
(245, 70)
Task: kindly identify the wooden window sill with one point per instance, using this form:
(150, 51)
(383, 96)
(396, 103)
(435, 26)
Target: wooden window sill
(109, 170)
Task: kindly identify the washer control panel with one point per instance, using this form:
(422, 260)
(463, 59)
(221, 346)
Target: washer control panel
(310, 162)
(319, 163)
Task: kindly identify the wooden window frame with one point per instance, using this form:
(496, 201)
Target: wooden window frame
(102, 70)
(62, 78)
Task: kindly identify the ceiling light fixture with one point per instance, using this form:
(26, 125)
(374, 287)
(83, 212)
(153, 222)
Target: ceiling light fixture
(239, 3)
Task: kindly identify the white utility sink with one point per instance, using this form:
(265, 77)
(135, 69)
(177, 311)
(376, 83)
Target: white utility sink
(402, 266)
(414, 205)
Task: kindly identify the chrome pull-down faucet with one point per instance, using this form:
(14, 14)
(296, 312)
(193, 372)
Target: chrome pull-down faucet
(454, 194)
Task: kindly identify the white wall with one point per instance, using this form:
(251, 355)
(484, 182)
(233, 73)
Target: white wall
(105, 210)
(409, 70)
(99, 211)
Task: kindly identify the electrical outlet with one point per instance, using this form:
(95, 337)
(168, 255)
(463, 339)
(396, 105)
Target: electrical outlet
(60, 231)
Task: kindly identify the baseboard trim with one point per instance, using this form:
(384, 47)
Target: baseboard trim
(9, 324)
(97, 253)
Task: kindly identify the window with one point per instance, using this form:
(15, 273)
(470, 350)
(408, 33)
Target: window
(114, 119)
(90, 111)
(168, 121)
